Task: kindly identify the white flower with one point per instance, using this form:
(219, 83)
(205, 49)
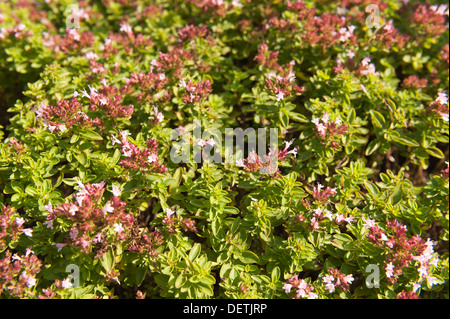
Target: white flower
(60, 246)
(73, 233)
(211, 142)
(48, 223)
(240, 162)
(66, 283)
(103, 100)
(236, 3)
(442, 98)
(19, 221)
(349, 279)
(116, 191)
(152, 158)
(51, 128)
(287, 288)
(201, 143)
(73, 209)
(118, 228)
(29, 280)
(169, 212)
(108, 208)
(389, 270)
(62, 127)
(431, 280)
(114, 140)
(28, 232)
(125, 27)
(280, 96)
(368, 223)
(91, 55)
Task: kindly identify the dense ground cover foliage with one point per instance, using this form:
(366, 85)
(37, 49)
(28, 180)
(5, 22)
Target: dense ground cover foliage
(92, 203)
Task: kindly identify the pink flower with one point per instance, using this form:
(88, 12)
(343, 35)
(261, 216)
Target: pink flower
(152, 158)
(108, 208)
(125, 27)
(116, 191)
(240, 162)
(60, 246)
(348, 279)
(330, 287)
(118, 228)
(19, 221)
(442, 98)
(201, 143)
(114, 140)
(389, 270)
(280, 96)
(170, 212)
(66, 283)
(287, 288)
(28, 232)
(49, 223)
(368, 223)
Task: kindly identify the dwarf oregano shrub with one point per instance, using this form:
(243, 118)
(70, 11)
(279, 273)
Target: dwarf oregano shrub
(113, 162)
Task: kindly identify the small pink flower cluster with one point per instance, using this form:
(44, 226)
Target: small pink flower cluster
(195, 92)
(281, 81)
(328, 130)
(304, 290)
(11, 226)
(253, 162)
(92, 219)
(413, 81)
(145, 160)
(440, 106)
(407, 295)
(172, 61)
(400, 250)
(336, 280)
(321, 193)
(19, 31)
(141, 241)
(109, 101)
(216, 7)
(148, 84)
(389, 35)
(320, 214)
(171, 223)
(191, 31)
(17, 274)
(66, 114)
(16, 145)
(71, 42)
(429, 20)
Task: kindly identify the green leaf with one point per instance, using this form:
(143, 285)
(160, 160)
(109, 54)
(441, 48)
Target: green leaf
(396, 195)
(195, 251)
(91, 135)
(405, 140)
(181, 280)
(372, 147)
(275, 274)
(140, 275)
(372, 188)
(107, 261)
(377, 118)
(435, 152)
(248, 257)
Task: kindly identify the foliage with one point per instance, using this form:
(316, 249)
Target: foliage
(88, 182)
